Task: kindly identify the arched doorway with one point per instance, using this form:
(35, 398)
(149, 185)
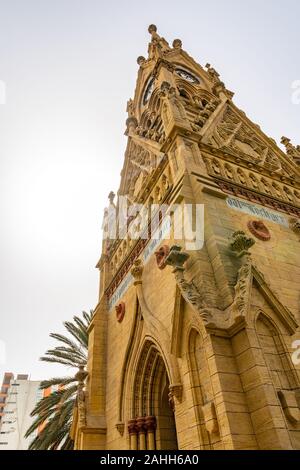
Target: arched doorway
(152, 424)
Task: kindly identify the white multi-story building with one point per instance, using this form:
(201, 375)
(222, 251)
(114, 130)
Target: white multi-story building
(19, 398)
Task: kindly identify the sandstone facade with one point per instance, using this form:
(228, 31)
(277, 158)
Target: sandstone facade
(195, 348)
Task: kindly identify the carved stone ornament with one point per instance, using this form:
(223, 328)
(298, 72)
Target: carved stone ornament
(176, 257)
(120, 311)
(80, 376)
(240, 243)
(295, 225)
(175, 391)
(198, 297)
(161, 256)
(210, 417)
(177, 44)
(120, 427)
(141, 60)
(259, 230)
(292, 151)
(137, 270)
(242, 289)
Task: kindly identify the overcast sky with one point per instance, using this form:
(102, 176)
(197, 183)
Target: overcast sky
(69, 67)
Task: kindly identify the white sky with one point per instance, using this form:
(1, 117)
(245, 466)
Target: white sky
(69, 68)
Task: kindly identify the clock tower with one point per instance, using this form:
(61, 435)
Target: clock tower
(193, 344)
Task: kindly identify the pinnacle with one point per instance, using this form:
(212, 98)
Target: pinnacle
(152, 28)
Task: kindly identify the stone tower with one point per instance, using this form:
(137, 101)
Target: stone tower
(195, 348)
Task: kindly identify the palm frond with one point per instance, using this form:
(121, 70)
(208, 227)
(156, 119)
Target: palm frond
(55, 411)
(56, 381)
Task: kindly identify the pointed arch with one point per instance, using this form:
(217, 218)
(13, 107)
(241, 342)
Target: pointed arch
(201, 387)
(279, 364)
(151, 416)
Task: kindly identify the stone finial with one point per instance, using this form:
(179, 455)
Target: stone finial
(176, 257)
(130, 108)
(213, 73)
(240, 243)
(131, 125)
(158, 46)
(291, 150)
(177, 44)
(152, 29)
(82, 374)
(111, 197)
(140, 60)
(137, 271)
(285, 140)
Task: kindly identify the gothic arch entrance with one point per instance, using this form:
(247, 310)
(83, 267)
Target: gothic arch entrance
(152, 424)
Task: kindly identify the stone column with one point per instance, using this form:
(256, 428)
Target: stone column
(140, 423)
(133, 434)
(150, 424)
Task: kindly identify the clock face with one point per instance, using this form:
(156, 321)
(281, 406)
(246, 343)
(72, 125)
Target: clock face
(148, 91)
(187, 76)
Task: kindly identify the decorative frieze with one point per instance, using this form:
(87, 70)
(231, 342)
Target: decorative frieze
(261, 199)
(230, 176)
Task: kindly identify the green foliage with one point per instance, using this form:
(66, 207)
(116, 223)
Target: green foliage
(54, 412)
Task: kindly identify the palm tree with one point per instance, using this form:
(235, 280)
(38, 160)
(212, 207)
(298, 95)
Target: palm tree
(54, 412)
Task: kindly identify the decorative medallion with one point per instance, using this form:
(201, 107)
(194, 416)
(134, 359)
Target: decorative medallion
(161, 256)
(259, 230)
(120, 311)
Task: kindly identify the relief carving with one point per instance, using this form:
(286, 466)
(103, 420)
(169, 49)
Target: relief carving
(197, 296)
